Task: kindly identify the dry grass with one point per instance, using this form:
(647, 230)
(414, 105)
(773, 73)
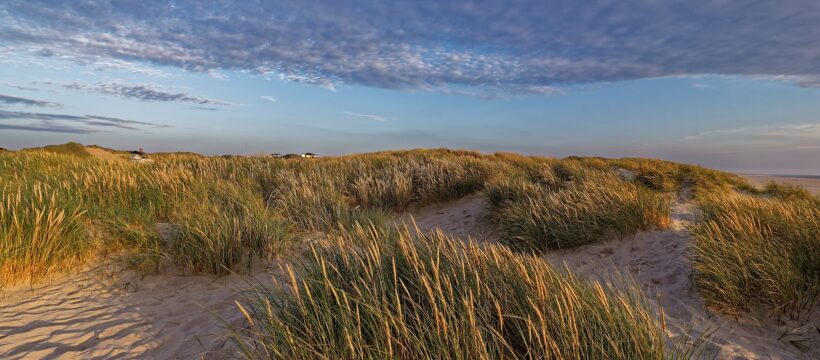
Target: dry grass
(38, 234)
(758, 253)
(547, 212)
(226, 209)
(376, 294)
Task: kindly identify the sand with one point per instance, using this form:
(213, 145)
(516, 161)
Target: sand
(465, 217)
(657, 262)
(760, 181)
(105, 314)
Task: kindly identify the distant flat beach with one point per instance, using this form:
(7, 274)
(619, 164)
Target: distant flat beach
(810, 182)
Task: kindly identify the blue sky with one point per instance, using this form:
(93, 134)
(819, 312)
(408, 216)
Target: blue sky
(728, 84)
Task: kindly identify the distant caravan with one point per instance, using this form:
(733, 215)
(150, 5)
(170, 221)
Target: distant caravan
(307, 155)
(140, 156)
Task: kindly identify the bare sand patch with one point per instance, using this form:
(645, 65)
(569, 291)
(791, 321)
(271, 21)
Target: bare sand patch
(101, 314)
(465, 217)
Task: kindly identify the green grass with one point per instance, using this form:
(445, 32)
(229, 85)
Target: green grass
(39, 234)
(378, 294)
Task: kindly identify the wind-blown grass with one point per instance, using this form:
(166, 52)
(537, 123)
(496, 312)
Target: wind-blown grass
(38, 234)
(225, 229)
(758, 253)
(225, 209)
(61, 209)
(377, 294)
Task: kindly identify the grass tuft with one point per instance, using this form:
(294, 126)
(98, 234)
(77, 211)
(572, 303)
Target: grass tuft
(757, 253)
(375, 294)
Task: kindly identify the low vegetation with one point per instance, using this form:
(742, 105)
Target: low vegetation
(376, 294)
(546, 212)
(61, 208)
(759, 253)
(71, 148)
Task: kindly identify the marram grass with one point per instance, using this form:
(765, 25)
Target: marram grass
(400, 294)
(539, 216)
(758, 254)
(61, 210)
(38, 234)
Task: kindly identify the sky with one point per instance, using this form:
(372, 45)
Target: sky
(728, 84)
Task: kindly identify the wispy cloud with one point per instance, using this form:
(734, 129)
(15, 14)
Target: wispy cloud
(14, 100)
(48, 127)
(143, 92)
(804, 131)
(216, 74)
(378, 118)
(269, 98)
(204, 108)
(528, 46)
(63, 123)
(20, 87)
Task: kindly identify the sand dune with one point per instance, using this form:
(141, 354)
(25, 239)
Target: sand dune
(107, 314)
(658, 262)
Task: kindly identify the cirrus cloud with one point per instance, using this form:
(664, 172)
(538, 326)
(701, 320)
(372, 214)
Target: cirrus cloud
(378, 118)
(788, 131)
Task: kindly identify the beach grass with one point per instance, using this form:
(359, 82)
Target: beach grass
(371, 293)
(368, 289)
(756, 253)
(548, 212)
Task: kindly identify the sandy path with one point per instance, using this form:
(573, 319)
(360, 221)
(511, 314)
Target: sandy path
(657, 261)
(93, 315)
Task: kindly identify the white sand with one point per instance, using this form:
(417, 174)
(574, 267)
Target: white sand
(99, 315)
(657, 261)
